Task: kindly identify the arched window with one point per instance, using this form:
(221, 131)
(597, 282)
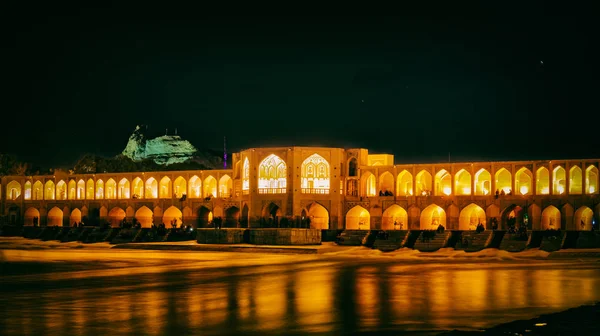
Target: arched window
(404, 184)
(246, 177)
(558, 180)
(443, 183)
(353, 167)
(483, 182)
(542, 181)
(462, 183)
(523, 179)
(272, 178)
(575, 180)
(315, 183)
(591, 180)
(195, 187)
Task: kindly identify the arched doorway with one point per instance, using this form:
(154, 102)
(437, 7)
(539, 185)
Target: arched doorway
(32, 217)
(172, 215)
(55, 217)
(513, 217)
(232, 217)
(471, 216)
(432, 217)
(204, 217)
(551, 218)
(144, 216)
(318, 216)
(75, 216)
(394, 218)
(583, 219)
(115, 216)
(358, 218)
(271, 214)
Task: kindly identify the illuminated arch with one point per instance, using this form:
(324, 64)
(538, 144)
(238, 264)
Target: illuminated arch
(386, 184)
(195, 186)
(27, 191)
(75, 216)
(89, 189)
(124, 189)
(551, 218)
(179, 187)
(232, 217)
(204, 216)
(319, 216)
(61, 190)
(575, 180)
(246, 176)
(38, 190)
(358, 218)
(483, 182)
(13, 190)
(137, 187)
(55, 216)
(558, 180)
(423, 181)
(111, 189)
(80, 189)
(49, 191)
(443, 183)
(542, 181)
(225, 186)
(523, 181)
(72, 190)
(210, 186)
(144, 216)
(315, 175)
(462, 183)
(151, 188)
(172, 213)
(165, 187)
(99, 189)
(583, 219)
(394, 218)
(404, 184)
(30, 214)
(115, 215)
(591, 180)
(272, 173)
(471, 216)
(367, 181)
(432, 217)
(503, 181)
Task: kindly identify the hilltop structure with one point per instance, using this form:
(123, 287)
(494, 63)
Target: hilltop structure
(164, 150)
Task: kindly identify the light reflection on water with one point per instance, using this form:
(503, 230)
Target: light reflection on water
(276, 300)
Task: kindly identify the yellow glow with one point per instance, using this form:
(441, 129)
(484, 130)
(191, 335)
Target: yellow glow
(165, 187)
(485, 191)
(404, 184)
(575, 181)
(592, 190)
(315, 175)
(358, 218)
(443, 183)
(423, 181)
(447, 190)
(503, 180)
(483, 182)
(151, 188)
(179, 187)
(560, 189)
(431, 217)
(225, 186)
(99, 189)
(524, 190)
(394, 218)
(368, 184)
(466, 191)
(558, 179)
(591, 179)
(545, 191)
(462, 183)
(246, 175)
(543, 181)
(111, 187)
(124, 189)
(506, 190)
(272, 175)
(210, 187)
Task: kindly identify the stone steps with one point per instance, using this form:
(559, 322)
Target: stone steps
(352, 237)
(395, 241)
(474, 241)
(433, 244)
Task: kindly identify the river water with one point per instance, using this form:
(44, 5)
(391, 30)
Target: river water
(241, 293)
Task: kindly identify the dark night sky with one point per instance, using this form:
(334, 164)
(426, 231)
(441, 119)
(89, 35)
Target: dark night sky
(466, 80)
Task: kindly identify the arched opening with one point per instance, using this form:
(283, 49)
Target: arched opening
(111, 189)
(394, 218)
(352, 167)
(591, 180)
(432, 217)
(470, 217)
(32, 217)
(172, 216)
(368, 187)
(386, 184)
(55, 217)
(503, 181)
(195, 186)
(204, 217)
(271, 214)
(89, 189)
(144, 216)
(13, 190)
(583, 219)
(124, 189)
(151, 188)
(424, 183)
(210, 187)
(272, 175)
(80, 189)
(462, 183)
(49, 190)
(246, 177)
(443, 183)
(165, 187)
(542, 181)
(483, 182)
(137, 187)
(558, 180)
(512, 217)
(115, 216)
(551, 218)
(244, 220)
(38, 191)
(318, 216)
(27, 192)
(75, 217)
(99, 189)
(232, 217)
(404, 184)
(358, 218)
(72, 190)
(61, 190)
(179, 187)
(315, 175)
(575, 181)
(523, 180)
(225, 186)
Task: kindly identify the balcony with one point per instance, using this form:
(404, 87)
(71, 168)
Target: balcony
(272, 190)
(321, 191)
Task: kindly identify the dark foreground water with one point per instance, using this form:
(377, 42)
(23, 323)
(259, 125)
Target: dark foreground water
(314, 296)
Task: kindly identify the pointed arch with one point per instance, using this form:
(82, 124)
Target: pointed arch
(165, 187)
(55, 216)
(432, 217)
(72, 190)
(558, 180)
(61, 190)
(38, 190)
(124, 189)
(204, 216)
(210, 187)
(318, 215)
(315, 175)
(542, 181)
(575, 181)
(195, 187)
(80, 189)
(144, 216)
(89, 189)
(386, 184)
(272, 177)
(172, 215)
(471, 216)
(483, 182)
(551, 218)
(423, 182)
(523, 181)
(30, 215)
(232, 217)
(49, 191)
(84, 211)
(503, 181)
(179, 187)
(512, 216)
(225, 186)
(404, 184)
(111, 189)
(115, 215)
(75, 216)
(27, 191)
(358, 218)
(591, 180)
(394, 218)
(462, 183)
(137, 188)
(99, 189)
(246, 177)
(151, 190)
(13, 190)
(367, 184)
(352, 167)
(443, 183)
(583, 219)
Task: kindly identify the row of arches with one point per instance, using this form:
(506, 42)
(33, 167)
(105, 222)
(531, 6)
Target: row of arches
(524, 182)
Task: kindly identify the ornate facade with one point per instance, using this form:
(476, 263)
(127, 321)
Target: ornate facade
(325, 188)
